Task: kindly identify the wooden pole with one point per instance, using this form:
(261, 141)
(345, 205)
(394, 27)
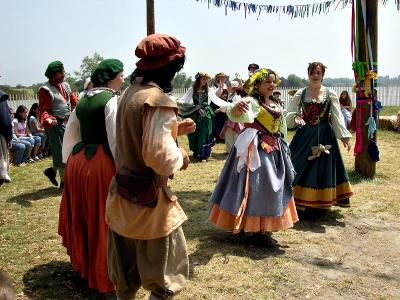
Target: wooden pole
(150, 17)
(363, 162)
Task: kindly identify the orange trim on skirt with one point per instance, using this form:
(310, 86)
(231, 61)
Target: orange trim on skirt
(226, 221)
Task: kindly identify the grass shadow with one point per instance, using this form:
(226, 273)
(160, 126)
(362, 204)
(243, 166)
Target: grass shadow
(356, 178)
(57, 280)
(216, 243)
(219, 155)
(214, 157)
(210, 241)
(25, 199)
(314, 220)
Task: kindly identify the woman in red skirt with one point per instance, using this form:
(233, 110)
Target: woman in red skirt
(88, 148)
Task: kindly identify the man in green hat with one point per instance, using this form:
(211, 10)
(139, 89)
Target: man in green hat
(56, 101)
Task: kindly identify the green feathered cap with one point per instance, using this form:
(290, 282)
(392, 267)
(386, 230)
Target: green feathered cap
(53, 68)
(107, 70)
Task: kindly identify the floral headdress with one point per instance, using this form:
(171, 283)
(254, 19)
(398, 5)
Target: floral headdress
(201, 74)
(258, 76)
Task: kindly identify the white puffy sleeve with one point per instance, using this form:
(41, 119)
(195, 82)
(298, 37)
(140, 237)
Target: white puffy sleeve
(110, 113)
(245, 117)
(187, 98)
(212, 97)
(72, 136)
(159, 150)
(293, 109)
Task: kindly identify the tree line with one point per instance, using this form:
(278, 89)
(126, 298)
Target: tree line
(181, 80)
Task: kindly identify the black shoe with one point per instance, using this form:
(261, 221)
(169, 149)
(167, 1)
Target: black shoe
(263, 240)
(51, 175)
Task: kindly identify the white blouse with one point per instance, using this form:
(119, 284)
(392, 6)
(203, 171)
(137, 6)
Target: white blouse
(338, 126)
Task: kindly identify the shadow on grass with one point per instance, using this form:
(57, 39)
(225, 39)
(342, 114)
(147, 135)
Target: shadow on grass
(315, 219)
(57, 280)
(214, 156)
(210, 241)
(25, 199)
(216, 243)
(356, 178)
(219, 156)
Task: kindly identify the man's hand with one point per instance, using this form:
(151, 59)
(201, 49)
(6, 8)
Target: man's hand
(186, 159)
(9, 145)
(51, 121)
(186, 126)
(346, 143)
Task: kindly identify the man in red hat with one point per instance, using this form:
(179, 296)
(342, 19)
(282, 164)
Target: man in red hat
(146, 244)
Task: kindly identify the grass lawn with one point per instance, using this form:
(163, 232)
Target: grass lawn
(347, 254)
(389, 110)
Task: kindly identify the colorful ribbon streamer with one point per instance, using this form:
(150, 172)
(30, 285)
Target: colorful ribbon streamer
(293, 11)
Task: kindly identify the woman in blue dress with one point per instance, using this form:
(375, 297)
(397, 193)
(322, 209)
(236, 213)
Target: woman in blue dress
(254, 189)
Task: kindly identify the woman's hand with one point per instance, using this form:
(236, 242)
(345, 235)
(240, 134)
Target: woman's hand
(186, 126)
(240, 107)
(346, 143)
(299, 121)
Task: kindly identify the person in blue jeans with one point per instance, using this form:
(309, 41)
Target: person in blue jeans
(24, 135)
(21, 150)
(36, 129)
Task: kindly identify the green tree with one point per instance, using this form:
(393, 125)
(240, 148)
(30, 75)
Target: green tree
(86, 69)
(88, 65)
(35, 87)
(6, 89)
(74, 84)
(179, 81)
(188, 82)
(294, 81)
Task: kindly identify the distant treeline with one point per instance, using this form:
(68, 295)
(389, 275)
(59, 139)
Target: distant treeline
(181, 80)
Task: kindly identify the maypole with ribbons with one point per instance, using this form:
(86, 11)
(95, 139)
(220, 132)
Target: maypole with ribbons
(364, 51)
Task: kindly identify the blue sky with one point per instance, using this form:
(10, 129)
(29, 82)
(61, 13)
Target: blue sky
(36, 32)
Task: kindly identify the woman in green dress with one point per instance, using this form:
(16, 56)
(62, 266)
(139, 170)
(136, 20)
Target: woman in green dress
(195, 104)
(321, 180)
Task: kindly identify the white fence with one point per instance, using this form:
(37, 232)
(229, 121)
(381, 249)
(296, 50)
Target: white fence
(388, 95)
(23, 99)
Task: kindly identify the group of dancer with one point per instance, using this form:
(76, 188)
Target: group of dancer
(119, 221)
(263, 179)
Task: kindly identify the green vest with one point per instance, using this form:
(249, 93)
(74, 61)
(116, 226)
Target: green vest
(90, 112)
